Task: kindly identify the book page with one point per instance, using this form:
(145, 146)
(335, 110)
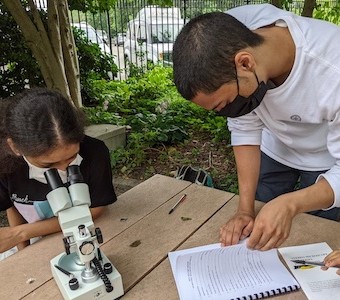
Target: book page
(229, 272)
(316, 283)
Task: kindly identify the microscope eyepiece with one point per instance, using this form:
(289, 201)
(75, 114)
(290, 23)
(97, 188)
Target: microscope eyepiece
(74, 175)
(53, 179)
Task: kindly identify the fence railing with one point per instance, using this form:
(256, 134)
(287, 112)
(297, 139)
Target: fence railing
(136, 38)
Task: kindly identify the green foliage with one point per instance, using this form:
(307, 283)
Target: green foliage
(157, 115)
(328, 12)
(17, 66)
(91, 5)
(132, 156)
(160, 2)
(93, 65)
(229, 183)
(21, 69)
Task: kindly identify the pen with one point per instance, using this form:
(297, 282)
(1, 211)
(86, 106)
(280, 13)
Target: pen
(313, 263)
(177, 203)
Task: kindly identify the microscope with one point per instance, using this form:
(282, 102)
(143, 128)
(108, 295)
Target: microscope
(82, 272)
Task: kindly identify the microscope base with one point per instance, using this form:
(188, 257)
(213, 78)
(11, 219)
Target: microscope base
(86, 291)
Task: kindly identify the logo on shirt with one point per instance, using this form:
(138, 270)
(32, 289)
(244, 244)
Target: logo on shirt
(16, 198)
(296, 118)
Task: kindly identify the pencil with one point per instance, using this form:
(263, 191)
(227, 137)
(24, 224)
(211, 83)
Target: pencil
(177, 203)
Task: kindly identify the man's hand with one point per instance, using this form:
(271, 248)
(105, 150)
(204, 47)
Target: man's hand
(272, 225)
(237, 228)
(9, 237)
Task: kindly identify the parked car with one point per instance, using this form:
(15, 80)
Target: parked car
(93, 36)
(102, 33)
(150, 36)
(119, 39)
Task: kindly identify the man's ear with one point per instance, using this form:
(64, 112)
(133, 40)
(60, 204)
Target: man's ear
(244, 61)
(13, 147)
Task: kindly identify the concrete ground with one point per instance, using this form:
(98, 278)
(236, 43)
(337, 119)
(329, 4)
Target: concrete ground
(122, 185)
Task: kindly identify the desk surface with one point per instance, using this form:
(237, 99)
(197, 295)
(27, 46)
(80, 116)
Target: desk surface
(138, 233)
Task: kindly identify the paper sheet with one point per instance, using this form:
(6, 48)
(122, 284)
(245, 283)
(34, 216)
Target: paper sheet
(215, 272)
(316, 283)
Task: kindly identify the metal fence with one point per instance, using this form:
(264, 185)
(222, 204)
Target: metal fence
(135, 32)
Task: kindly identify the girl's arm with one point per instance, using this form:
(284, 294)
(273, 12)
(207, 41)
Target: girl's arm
(14, 219)
(23, 232)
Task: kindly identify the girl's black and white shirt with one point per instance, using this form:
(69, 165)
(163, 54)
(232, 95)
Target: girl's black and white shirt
(29, 195)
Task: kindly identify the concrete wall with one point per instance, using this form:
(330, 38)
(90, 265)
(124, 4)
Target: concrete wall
(112, 135)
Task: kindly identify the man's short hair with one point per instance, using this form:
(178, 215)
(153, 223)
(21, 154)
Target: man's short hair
(204, 52)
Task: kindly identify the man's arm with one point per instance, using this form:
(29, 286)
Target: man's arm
(272, 224)
(248, 159)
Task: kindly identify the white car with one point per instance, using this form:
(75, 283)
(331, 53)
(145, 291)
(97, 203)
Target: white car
(150, 36)
(119, 39)
(93, 36)
(102, 34)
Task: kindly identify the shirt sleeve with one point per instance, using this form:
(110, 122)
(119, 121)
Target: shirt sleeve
(333, 175)
(333, 178)
(96, 166)
(245, 130)
(5, 201)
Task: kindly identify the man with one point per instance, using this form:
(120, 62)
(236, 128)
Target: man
(276, 76)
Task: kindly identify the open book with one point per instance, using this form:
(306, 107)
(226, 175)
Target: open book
(214, 272)
(303, 262)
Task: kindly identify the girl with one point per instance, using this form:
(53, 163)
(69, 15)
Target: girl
(40, 129)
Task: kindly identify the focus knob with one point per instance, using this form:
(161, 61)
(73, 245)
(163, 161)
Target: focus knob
(73, 284)
(99, 235)
(107, 268)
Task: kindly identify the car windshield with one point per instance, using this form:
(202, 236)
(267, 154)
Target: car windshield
(165, 33)
(89, 33)
(93, 36)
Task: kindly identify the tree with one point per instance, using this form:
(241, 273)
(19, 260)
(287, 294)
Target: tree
(308, 6)
(53, 47)
(52, 42)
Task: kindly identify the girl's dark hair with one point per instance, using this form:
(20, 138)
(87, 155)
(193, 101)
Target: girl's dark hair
(38, 120)
(204, 52)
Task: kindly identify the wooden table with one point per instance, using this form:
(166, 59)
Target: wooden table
(138, 233)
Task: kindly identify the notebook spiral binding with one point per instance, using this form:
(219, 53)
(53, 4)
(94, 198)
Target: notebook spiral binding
(266, 294)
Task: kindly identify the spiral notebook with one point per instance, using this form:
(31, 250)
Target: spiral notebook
(235, 272)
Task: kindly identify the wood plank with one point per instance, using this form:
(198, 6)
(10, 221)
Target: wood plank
(132, 206)
(160, 284)
(138, 202)
(160, 232)
(141, 247)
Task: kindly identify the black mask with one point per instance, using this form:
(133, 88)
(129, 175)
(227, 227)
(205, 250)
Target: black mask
(242, 105)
